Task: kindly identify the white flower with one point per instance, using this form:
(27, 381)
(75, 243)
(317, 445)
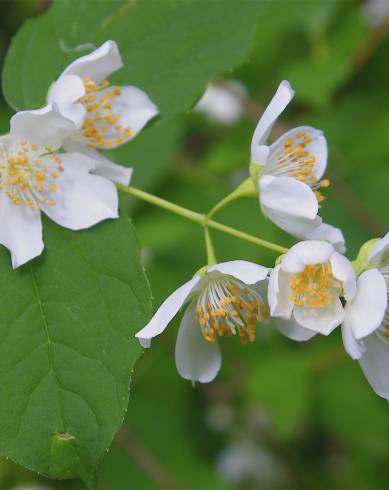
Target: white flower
(305, 289)
(224, 300)
(366, 327)
(35, 178)
(290, 169)
(223, 103)
(103, 116)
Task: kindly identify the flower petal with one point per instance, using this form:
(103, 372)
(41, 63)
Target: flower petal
(196, 359)
(328, 233)
(288, 195)
(375, 364)
(5, 139)
(135, 110)
(280, 100)
(306, 253)
(166, 312)
(247, 272)
(291, 329)
(82, 199)
(344, 271)
(97, 65)
(321, 320)
(104, 167)
(355, 348)
(260, 155)
(20, 231)
(379, 251)
(65, 93)
(366, 311)
(317, 147)
(295, 225)
(44, 126)
(279, 300)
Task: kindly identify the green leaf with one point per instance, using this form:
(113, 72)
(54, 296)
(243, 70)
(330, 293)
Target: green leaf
(151, 153)
(4, 119)
(170, 49)
(67, 324)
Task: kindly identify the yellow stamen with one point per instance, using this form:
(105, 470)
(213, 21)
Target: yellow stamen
(314, 286)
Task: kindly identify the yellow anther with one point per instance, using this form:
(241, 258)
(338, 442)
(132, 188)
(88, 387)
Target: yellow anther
(111, 119)
(40, 175)
(319, 196)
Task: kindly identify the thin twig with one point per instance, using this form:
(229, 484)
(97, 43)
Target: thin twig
(370, 44)
(146, 460)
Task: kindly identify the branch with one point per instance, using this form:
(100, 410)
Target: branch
(146, 460)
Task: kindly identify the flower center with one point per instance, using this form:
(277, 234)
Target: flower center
(227, 306)
(28, 174)
(101, 126)
(296, 161)
(314, 286)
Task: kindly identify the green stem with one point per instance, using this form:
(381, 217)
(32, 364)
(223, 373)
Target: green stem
(162, 203)
(198, 218)
(211, 258)
(231, 197)
(245, 236)
(244, 189)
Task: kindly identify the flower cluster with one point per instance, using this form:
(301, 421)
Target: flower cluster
(50, 160)
(312, 289)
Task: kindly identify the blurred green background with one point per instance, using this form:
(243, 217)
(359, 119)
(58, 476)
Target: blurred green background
(281, 415)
